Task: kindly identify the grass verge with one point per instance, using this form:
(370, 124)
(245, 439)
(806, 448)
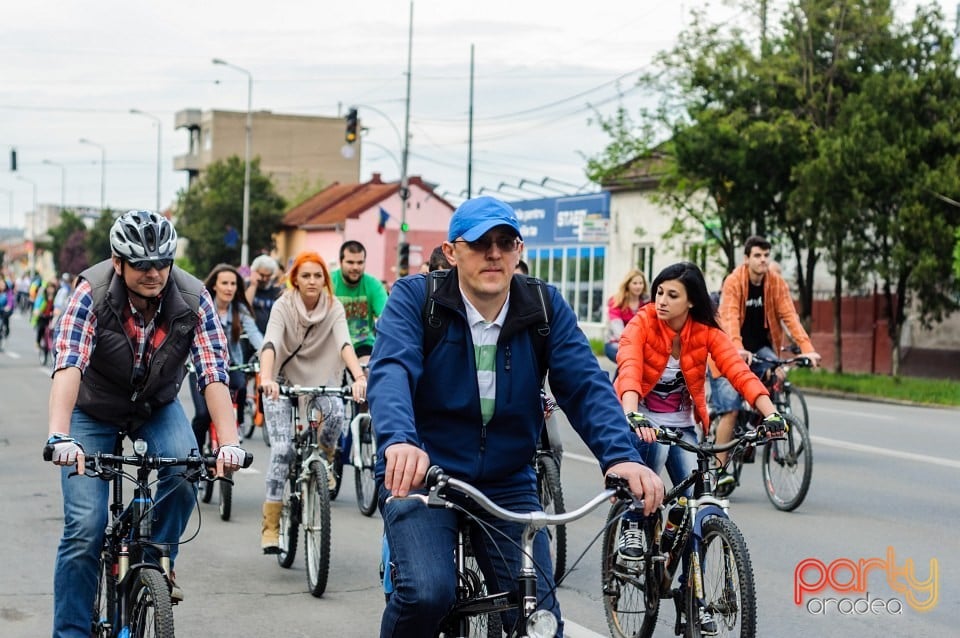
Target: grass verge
(929, 391)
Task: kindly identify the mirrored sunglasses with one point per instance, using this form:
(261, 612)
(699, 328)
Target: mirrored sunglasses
(504, 243)
(147, 264)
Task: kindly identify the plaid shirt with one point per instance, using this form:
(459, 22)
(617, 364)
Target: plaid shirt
(76, 337)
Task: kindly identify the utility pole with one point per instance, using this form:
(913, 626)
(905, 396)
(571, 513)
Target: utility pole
(470, 134)
(403, 250)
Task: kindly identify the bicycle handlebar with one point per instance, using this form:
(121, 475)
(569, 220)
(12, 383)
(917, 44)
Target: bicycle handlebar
(800, 362)
(328, 390)
(673, 437)
(103, 460)
(438, 482)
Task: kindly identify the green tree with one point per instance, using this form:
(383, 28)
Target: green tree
(98, 237)
(69, 224)
(215, 201)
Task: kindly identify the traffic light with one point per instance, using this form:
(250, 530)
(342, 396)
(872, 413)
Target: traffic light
(13, 159)
(404, 227)
(351, 135)
(404, 253)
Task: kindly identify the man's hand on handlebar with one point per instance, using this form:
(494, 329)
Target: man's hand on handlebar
(230, 458)
(644, 483)
(406, 465)
(63, 449)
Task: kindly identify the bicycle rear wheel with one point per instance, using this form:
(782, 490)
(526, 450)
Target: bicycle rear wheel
(249, 414)
(336, 467)
(363, 477)
(550, 491)
(289, 521)
(151, 615)
(788, 466)
(316, 528)
(727, 576)
(797, 403)
(226, 499)
(631, 589)
(206, 487)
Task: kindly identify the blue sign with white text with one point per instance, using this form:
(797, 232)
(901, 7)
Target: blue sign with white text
(574, 219)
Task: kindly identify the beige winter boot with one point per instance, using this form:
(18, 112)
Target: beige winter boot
(270, 529)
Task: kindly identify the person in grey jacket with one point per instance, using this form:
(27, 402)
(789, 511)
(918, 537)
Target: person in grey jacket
(473, 407)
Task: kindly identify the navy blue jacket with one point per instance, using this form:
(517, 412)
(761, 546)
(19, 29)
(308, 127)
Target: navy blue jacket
(436, 404)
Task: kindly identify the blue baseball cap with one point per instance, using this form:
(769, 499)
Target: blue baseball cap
(475, 217)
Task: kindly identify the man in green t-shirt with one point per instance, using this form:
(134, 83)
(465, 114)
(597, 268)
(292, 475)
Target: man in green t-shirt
(362, 296)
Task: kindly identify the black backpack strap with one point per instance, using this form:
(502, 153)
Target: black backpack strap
(540, 335)
(433, 327)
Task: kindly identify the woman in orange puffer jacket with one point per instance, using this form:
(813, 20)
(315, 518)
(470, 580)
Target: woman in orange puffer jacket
(662, 365)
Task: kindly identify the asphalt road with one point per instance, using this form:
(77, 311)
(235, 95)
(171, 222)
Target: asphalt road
(885, 479)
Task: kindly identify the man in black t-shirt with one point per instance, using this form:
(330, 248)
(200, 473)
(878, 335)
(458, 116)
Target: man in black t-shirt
(754, 308)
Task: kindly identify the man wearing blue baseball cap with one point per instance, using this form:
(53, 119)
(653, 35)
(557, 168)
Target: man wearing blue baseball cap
(469, 401)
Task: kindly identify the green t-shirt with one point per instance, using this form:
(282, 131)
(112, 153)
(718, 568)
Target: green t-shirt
(363, 304)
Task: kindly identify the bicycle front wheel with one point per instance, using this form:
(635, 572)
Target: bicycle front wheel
(363, 477)
(105, 602)
(551, 500)
(316, 528)
(151, 614)
(788, 466)
(729, 604)
(226, 499)
(249, 416)
(631, 588)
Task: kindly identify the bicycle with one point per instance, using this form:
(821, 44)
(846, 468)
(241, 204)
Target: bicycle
(718, 585)
(133, 594)
(306, 494)
(473, 601)
(786, 464)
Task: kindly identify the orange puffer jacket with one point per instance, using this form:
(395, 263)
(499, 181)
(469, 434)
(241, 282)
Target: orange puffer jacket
(645, 349)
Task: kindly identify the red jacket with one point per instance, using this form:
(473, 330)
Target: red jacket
(645, 349)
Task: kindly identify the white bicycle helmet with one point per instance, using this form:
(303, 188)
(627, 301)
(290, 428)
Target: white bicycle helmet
(142, 235)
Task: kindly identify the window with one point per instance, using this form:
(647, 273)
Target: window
(643, 259)
(697, 253)
(577, 271)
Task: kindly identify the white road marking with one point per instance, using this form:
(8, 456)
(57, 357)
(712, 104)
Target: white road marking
(879, 451)
(869, 415)
(580, 457)
(11, 354)
(573, 630)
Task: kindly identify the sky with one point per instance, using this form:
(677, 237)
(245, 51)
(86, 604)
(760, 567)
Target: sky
(542, 71)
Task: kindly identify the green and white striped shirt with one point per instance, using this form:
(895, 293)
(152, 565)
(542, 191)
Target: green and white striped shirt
(485, 335)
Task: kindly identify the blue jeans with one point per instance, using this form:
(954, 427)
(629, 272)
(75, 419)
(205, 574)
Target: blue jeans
(421, 541)
(723, 397)
(85, 502)
(679, 463)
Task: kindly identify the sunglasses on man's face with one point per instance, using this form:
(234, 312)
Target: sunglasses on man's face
(504, 243)
(148, 264)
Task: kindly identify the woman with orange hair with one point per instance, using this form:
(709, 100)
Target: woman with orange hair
(307, 333)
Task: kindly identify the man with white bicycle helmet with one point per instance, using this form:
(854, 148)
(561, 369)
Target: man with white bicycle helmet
(121, 347)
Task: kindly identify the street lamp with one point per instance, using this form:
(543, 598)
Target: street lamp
(159, 147)
(103, 172)
(33, 223)
(245, 245)
(63, 183)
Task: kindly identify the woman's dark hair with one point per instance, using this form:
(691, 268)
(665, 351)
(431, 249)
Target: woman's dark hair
(238, 298)
(690, 276)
